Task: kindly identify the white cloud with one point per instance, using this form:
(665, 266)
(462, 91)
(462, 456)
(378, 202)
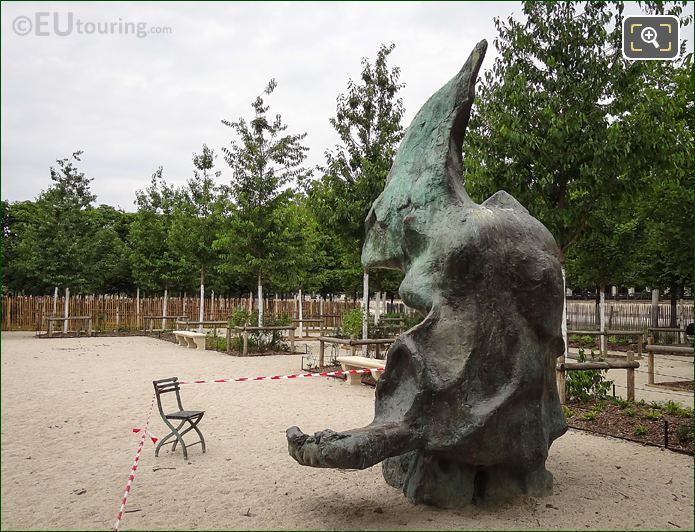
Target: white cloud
(133, 104)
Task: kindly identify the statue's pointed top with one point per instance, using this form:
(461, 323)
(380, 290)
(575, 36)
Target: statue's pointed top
(430, 153)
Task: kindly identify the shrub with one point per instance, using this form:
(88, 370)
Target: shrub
(567, 411)
(622, 403)
(583, 340)
(590, 415)
(619, 340)
(653, 414)
(684, 433)
(640, 430)
(258, 340)
(351, 324)
(218, 343)
(241, 317)
(584, 385)
(675, 409)
(629, 411)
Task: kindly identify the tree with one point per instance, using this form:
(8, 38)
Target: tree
(155, 265)
(552, 123)
(19, 273)
(264, 162)
(106, 258)
(61, 239)
(664, 208)
(196, 219)
(55, 235)
(368, 122)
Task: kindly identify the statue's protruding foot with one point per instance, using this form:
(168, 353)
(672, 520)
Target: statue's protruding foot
(355, 449)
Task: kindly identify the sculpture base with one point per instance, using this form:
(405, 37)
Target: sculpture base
(429, 479)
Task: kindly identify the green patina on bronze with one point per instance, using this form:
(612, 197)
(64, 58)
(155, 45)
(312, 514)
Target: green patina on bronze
(467, 407)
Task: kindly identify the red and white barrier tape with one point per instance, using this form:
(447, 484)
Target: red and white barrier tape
(146, 433)
(293, 376)
(134, 467)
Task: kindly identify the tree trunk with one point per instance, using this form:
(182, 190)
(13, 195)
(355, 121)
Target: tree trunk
(55, 301)
(602, 323)
(655, 307)
(201, 310)
(260, 300)
(564, 314)
(365, 309)
(67, 310)
(300, 301)
(164, 307)
(674, 306)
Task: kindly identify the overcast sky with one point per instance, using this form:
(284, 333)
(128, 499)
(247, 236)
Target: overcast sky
(135, 103)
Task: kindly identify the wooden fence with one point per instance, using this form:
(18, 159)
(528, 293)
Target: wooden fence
(26, 313)
(632, 316)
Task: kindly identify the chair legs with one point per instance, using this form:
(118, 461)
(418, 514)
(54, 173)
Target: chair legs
(179, 436)
(192, 427)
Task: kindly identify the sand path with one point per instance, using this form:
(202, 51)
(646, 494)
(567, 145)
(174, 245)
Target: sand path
(68, 407)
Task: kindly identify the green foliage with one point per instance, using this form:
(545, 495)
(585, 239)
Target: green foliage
(652, 414)
(263, 235)
(684, 433)
(578, 135)
(155, 265)
(258, 340)
(640, 430)
(629, 411)
(622, 403)
(62, 239)
(351, 324)
(241, 317)
(675, 409)
(583, 385)
(591, 415)
(216, 343)
(619, 340)
(567, 411)
(368, 123)
(196, 216)
(583, 340)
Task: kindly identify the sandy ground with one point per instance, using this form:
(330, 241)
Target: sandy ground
(68, 407)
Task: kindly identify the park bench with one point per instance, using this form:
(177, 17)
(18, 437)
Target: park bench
(191, 339)
(356, 362)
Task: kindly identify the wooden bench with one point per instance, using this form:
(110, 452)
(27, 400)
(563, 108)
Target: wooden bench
(355, 362)
(191, 339)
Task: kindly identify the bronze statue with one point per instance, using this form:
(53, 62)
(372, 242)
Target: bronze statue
(467, 406)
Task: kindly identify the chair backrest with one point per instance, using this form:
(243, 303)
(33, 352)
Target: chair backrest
(168, 385)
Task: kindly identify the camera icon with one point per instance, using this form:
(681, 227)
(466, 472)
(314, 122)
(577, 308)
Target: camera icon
(651, 37)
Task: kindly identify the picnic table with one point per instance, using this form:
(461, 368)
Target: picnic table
(52, 319)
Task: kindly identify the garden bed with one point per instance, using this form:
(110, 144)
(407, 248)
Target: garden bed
(640, 422)
(681, 386)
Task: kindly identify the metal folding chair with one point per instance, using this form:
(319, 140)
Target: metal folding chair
(192, 417)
